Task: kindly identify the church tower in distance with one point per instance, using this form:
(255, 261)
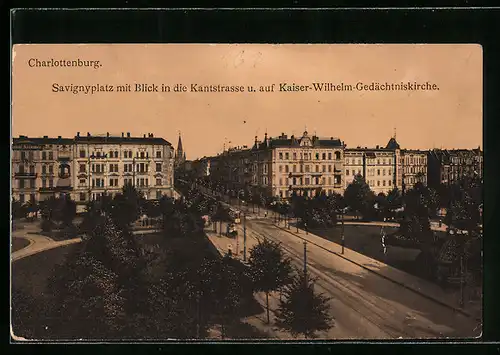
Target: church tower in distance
(180, 155)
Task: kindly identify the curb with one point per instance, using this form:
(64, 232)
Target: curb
(442, 303)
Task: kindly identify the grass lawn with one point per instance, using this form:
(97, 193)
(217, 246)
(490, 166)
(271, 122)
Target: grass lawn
(19, 243)
(367, 241)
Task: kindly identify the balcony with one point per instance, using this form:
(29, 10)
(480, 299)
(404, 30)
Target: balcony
(55, 189)
(24, 175)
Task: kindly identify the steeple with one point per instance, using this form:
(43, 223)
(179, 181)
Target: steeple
(180, 155)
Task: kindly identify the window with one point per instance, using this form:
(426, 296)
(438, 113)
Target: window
(32, 183)
(98, 154)
(83, 168)
(383, 182)
(158, 182)
(294, 168)
(378, 182)
(51, 169)
(353, 172)
(158, 167)
(307, 168)
(83, 196)
(21, 183)
(44, 155)
(301, 168)
(378, 172)
(280, 168)
(286, 168)
(21, 198)
(324, 168)
(294, 181)
(158, 155)
(329, 168)
(329, 156)
(317, 156)
(324, 156)
(287, 156)
(51, 182)
(347, 172)
(44, 183)
(82, 153)
(116, 154)
(147, 182)
(383, 172)
(21, 169)
(281, 181)
(281, 155)
(329, 180)
(307, 181)
(317, 168)
(390, 182)
(142, 155)
(294, 156)
(23, 155)
(82, 181)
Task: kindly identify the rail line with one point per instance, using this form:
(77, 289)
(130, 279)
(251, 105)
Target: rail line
(336, 287)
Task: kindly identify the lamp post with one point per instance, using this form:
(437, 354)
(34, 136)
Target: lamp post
(342, 236)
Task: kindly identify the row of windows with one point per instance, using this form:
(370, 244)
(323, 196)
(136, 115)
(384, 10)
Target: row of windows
(311, 181)
(378, 183)
(416, 160)
(115, 154)
(288, 193)
(113, 182)
(308, 156)
(371, 172)
(359, 161)
(113, 168)
(286, 168)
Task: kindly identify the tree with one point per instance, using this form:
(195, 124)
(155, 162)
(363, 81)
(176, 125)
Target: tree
(99, 287)
(359, 197)
(302, 311)
(269, 268)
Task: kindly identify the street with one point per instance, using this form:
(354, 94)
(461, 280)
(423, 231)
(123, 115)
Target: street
(364, 304)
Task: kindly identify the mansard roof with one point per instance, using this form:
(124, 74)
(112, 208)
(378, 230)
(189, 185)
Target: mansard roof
(90, 139)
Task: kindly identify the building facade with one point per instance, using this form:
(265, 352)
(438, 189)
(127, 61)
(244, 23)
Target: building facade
(85, 167)
(448, 166)
(282, 166)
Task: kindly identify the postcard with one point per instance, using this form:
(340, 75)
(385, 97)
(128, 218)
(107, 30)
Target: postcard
(242, 192)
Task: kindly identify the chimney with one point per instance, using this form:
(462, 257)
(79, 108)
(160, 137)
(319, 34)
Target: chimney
(144, 135)
(43, 137)
(78, 134)
(59, 137)
(107, 134)
(123, 134)
(128, 134)
(88, 134)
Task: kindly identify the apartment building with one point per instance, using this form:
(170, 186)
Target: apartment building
(280, 166)
(85, 167)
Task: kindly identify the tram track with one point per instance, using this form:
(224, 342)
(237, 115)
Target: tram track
(351, 298)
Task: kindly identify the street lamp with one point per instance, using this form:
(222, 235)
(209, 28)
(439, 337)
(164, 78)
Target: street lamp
(342, 236)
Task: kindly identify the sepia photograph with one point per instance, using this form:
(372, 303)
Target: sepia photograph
(246, 192)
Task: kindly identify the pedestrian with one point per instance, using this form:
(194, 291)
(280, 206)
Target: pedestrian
(265, 214)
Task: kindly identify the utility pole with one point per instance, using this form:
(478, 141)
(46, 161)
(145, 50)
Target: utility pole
(305, 258)
(244, 237)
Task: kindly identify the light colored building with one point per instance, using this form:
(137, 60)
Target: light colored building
(281, 166)
(85, 167)
(413, 167)
(376, 165)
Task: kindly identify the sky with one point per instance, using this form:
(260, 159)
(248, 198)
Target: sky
(450, 117)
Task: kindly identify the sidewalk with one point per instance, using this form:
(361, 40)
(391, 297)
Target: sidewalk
(420, 286)
(222, 243)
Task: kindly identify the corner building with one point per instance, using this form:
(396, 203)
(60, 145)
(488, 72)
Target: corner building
(281, 166)
(86, 167)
